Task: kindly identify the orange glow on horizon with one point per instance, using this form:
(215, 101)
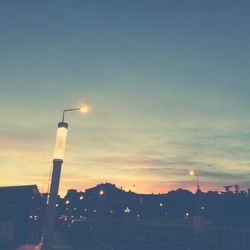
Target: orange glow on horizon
(145, 188)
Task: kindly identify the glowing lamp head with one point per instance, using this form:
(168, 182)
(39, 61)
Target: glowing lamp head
(61, 137)
(191, 172)
(84, 108)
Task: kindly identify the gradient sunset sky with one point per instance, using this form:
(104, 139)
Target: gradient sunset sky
(168, 82)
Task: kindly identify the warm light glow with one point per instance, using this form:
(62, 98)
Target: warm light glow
(81, 197)
(191, 172)
(61, 137)
(101, 192)
(84, 108)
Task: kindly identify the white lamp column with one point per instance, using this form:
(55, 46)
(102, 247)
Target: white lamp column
(50, 215)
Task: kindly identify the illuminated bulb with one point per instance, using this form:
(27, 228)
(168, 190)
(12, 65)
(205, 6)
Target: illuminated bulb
(191, 172)
(84, 108)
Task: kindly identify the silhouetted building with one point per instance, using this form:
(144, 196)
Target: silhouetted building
(21, 214)
(106, 200)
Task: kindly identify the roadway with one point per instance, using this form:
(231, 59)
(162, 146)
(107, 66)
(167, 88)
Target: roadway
(139, 234)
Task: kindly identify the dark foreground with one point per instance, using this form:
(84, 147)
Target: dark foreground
(155, 234)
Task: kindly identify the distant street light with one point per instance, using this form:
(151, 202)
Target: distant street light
(198, 192)
(193, 173)
(58, 158)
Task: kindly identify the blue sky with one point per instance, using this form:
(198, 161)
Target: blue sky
(167, 81)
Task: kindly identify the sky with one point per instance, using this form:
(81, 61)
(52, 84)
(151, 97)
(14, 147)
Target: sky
(167, 81)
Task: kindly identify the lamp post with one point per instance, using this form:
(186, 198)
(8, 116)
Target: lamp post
(193, 173)
(61, 137)
(198, 191)
(199, 225)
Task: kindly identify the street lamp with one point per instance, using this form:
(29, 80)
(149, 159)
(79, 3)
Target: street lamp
(198, 219)
(61, 137)
(193, 173)
(198, 191)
